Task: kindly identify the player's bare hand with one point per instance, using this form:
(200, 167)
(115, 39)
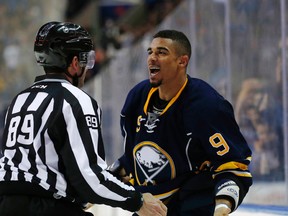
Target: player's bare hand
(125, 179)
(222, 210)
(152, 206)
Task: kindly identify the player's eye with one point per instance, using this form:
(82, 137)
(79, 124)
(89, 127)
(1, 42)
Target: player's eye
(162, 52)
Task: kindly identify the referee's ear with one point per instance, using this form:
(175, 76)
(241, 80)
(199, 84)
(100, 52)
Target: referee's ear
(74, 67)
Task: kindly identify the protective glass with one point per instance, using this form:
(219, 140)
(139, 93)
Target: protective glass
(87, 59)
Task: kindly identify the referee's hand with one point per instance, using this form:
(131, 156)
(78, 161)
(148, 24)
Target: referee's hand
(152, 206)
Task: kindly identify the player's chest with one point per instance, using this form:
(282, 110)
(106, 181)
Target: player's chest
(157, 123)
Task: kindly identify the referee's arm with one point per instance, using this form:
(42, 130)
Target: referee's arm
(83, 158)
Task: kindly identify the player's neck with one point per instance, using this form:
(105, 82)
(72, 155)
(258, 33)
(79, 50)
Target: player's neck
(169, 90)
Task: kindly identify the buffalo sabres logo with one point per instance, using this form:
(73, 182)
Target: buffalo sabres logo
(152, 164)
(151, 122)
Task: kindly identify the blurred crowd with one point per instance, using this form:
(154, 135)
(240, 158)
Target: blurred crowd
(20, 19)
(260, 119)
(127, 25)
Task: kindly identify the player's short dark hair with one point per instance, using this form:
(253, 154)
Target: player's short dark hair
(179, 37)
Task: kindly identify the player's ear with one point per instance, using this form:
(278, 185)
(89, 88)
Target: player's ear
(184, 60)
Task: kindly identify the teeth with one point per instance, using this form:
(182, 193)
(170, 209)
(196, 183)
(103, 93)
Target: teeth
(154, 68)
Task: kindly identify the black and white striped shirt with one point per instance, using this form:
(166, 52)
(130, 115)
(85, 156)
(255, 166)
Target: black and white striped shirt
(52, 137)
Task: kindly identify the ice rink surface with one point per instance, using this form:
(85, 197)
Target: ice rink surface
(244, 210)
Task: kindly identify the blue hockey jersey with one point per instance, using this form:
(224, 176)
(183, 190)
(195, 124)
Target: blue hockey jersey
(196, 132)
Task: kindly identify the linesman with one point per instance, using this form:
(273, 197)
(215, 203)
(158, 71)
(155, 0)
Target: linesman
(52, 158)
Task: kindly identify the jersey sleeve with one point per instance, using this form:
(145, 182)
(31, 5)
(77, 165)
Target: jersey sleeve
(228, 154)
(84, 160)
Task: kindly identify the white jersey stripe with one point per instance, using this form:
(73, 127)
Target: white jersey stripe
(19, 102)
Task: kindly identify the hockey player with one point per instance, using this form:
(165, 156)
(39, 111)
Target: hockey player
(182, 143)
(52, 154)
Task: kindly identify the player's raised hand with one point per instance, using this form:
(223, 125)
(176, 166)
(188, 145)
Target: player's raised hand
(152, 206)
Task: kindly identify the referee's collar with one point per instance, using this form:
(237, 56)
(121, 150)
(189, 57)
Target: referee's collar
(51, 76)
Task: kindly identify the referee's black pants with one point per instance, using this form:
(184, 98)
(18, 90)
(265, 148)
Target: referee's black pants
(21, 205)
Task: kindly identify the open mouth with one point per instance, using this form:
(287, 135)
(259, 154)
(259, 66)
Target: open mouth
(154, 70)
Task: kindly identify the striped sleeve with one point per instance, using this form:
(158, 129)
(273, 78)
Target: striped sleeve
(84, 152)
